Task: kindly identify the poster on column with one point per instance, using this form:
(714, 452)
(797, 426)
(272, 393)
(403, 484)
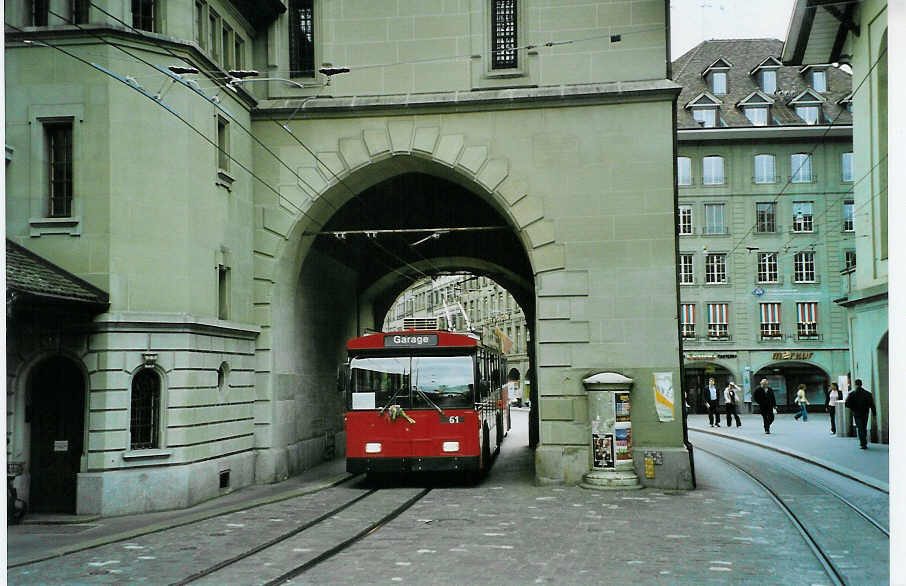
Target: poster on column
(663, 395)
(602, 446)
(621, 407)
(623, 444)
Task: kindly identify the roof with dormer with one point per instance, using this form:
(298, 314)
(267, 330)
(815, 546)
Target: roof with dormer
(747, 56)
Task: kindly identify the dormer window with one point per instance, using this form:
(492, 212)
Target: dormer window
(809, 114)
(765, 74)
(808, 106)
(706, 117)
(819, 80)
(757, 108)
(705, 108)
(758, 116)
(719, 82)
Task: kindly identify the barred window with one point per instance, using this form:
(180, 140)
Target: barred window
(717, 320)
(767, 267)
(770, 320)
(144, 425)
(302, 38)
(688, 319)
(849, 259)
(59, 158)
(804, 267)
(716, 268)
(766, 217)
(848, 213)
(143, 14)
(504, 35)
(803, 216)
(764, 169)
(687, 273)
(685, 219)
(807, 325)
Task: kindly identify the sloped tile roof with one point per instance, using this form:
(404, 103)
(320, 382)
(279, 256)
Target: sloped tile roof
(29, 274)
(745, 55)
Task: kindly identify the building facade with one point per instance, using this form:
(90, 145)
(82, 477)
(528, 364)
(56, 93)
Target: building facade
(244, 227)
(765, 219)
(857, 35)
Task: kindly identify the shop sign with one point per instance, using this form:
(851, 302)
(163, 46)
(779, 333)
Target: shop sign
(708, 356)
(792, 355)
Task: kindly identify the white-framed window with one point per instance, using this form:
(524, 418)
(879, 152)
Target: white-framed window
(849, 259)
(848, 215)
(719, 83)
(685, 220)
(819, 80)
(58, 145)
(683, 171)
(715, 218)
(767, 267)
(144, 410)
(770, 320)
(766, 217)
(687, 269)
(803, 216)
(768, 81)
(504, 34)
(688, 319)
(801, 167)
(716, 269)
(713, 170)
(757, 115)
(804, 267)
(764, 169)
(809, 114)
(718, 325)
(807, 315)
(706, 117)
(301, 38)
(846, 167)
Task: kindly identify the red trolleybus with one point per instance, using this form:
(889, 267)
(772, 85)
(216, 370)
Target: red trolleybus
(423, 400)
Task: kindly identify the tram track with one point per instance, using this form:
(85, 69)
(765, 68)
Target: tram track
(254, 561)
(814, 535)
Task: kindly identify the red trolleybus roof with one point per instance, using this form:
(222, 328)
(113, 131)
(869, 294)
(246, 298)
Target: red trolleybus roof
(411, 339)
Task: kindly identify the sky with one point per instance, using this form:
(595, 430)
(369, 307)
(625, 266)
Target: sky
(693, 21)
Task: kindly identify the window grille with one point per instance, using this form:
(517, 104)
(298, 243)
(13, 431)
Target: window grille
(687, 273)
(143, 15)
(803, 216)
(302, 38)
(504, 35)
(717, 320)
(144, 425)
(807, 319)
(685, 219)
(767, 267)
(688, 320)
(770, 320)
(804, 267)
(716, 268)
(59, 157)
(766, 217)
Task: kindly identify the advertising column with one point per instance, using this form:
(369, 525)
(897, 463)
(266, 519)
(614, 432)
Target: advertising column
(609, 409)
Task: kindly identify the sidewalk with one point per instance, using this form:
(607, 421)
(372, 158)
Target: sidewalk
(69, 533)
(811, 441)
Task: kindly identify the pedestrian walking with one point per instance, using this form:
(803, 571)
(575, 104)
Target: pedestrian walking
(861, 401)
(833, 395)
(731, 403)
(802, 401)
(764, 396)
(713, 404)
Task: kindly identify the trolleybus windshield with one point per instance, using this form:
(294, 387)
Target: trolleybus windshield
(446, 380)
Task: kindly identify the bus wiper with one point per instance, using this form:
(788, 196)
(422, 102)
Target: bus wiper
(390, 402)
(430, 402)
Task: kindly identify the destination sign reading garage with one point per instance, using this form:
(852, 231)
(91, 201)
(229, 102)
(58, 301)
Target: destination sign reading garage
(411, 341)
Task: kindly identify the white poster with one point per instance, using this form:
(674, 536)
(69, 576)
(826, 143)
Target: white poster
(363, 401)
(663, 395)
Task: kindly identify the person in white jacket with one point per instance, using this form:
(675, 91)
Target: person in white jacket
(802, 401)
(731, 400)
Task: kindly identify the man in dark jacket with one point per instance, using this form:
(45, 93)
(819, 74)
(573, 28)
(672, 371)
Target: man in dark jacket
(860, 402)
(764, 396)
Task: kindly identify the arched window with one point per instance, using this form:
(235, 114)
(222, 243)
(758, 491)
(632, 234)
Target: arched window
(144, 425)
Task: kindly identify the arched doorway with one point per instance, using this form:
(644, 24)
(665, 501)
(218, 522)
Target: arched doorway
(785, 377)
(696, 381)
(56, 413)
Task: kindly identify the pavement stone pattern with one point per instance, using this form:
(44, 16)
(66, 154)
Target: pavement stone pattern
(503, 531)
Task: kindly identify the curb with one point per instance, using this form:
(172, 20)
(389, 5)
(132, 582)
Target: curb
(851, 474)
(187, 520)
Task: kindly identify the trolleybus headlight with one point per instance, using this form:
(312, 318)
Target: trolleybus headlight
(451, 446)
(372, 448)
